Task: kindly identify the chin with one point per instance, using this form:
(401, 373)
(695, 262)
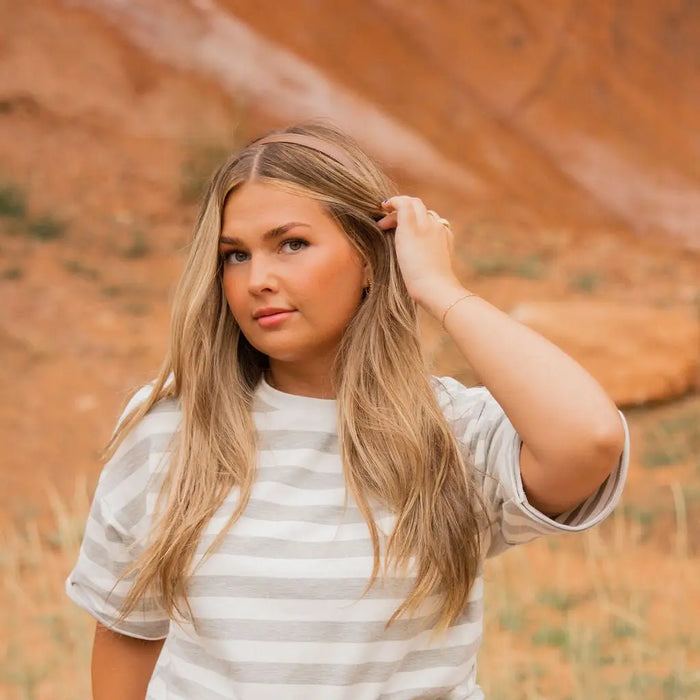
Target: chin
(280, 352)
(288, 356)
(290, 349)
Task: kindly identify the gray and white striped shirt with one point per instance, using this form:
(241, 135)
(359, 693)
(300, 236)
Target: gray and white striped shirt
(278, 611)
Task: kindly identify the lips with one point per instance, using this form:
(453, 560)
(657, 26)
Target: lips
(269, 311)
(274, 320)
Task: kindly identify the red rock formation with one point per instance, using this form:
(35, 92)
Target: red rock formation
(556, 115)
(583, 112)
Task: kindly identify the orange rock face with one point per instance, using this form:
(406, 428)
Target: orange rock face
(551, 134)
(574, 112)
(638, 353)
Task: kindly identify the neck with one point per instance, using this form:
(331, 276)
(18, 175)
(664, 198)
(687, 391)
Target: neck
(300, 381)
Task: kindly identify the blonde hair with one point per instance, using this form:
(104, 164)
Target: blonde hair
(396, 447)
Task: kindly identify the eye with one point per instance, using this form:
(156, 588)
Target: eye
(295, 244)
(233, 257)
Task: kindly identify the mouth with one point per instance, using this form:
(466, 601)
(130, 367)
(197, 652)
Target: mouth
(272, 319)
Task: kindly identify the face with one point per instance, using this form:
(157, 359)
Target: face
(282, 251)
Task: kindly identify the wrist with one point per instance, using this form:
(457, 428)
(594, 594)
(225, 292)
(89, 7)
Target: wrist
(450, 306)
(436, 296)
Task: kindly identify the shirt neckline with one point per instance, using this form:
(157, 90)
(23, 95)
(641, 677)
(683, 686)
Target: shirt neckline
(282, 399)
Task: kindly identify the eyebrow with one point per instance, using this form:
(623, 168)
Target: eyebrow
(268, 235)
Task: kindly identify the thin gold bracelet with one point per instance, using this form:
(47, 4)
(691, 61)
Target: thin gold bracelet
(444, 315)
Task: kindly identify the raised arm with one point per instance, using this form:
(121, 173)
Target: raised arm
(571, 431)
(122, 666)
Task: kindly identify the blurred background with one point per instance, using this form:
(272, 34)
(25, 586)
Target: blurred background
(561, 138)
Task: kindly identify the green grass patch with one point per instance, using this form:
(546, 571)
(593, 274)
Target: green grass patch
(673, 439)
(645, 517)
(20, 671)
(12, 273)
(75, 267)
(47, 228)
(621, 629)
(529, 267)
(557, 600)
(586, 281)
(14, 211)
(201, 162)
(511, 620)
(677, 685)
(13, 204)
(137, 308)
(552, 637)
(139, 247)
(653, 459)
(112, 290)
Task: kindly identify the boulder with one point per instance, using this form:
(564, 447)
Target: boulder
(639, 353)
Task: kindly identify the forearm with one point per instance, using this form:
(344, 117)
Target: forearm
(561, 413)
(572, 434)
(122, 666)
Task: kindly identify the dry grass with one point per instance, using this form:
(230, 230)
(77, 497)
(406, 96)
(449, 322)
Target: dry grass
(46, 640)
(607, 614)
(612, 613)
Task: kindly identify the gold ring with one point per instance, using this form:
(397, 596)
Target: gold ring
(437, 216)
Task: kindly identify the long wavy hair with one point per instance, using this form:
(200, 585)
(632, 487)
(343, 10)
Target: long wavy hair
(396, 447)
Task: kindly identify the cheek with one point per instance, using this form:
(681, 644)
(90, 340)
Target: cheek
(232, 294)
(337, 286)
(339, 272)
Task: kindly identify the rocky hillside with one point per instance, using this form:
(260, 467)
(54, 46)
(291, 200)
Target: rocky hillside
(560, 138)
(558, 111)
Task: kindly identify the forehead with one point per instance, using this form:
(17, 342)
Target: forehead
(255, 207)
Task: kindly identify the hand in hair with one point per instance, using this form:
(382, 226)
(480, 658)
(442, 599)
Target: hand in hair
(424, 246)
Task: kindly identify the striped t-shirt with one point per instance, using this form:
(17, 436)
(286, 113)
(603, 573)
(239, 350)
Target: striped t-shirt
(278, 611)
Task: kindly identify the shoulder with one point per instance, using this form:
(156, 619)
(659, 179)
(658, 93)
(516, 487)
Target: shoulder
(458, 401)
(141, 458)
(483, 430)
(156, 427)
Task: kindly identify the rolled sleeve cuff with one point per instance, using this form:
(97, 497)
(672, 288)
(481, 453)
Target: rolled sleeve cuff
(523, 522)
(144, 628)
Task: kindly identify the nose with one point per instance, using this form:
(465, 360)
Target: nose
(261, 275)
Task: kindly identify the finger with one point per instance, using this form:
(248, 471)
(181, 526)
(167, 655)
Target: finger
(388, 221)
(435, 215)
(423, 218)
(400, 201)
(412, 211)
(407, 214)
(426, 220)
(444, 224)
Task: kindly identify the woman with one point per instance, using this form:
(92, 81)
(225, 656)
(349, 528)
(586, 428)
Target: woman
(296, 508)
